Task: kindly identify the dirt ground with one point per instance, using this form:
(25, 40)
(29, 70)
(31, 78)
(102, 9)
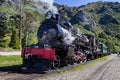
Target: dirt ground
(88, 73)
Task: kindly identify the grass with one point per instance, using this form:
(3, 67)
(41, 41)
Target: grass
(10, 61)
(79, 67)
(8, 49)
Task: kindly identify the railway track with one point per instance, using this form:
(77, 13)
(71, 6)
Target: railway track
(100, 71)
(16, 74)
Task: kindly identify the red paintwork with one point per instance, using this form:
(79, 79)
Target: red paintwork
(78, 57)
(41, 53)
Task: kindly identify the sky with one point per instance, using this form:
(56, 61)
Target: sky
(79, 2)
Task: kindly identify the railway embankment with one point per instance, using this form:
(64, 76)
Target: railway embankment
(93, 70)
(98, 69)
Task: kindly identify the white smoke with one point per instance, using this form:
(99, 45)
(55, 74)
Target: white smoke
(43, 6)
(67, 37)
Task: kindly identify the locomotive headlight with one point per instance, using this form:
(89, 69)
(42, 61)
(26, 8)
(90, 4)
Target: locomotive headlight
(48, 15)
(27, 55)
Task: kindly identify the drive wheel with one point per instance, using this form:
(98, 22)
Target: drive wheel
(84, 59)
(56, 62)
(72, 61)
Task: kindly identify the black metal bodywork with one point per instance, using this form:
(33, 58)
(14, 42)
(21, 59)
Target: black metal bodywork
(69, 45)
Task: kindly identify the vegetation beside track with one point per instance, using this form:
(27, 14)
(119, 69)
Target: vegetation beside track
(13, 61)
(81, 66)
(10, 61)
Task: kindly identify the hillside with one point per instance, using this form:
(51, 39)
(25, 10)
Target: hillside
(101, 19)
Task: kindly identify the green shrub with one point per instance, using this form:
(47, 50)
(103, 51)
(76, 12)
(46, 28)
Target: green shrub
(15, 44)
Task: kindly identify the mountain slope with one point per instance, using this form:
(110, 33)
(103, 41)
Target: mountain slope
(99, 18)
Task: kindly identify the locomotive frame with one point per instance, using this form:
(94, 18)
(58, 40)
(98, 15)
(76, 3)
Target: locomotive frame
(60, 45)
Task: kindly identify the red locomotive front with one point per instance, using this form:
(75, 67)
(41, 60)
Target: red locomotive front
(37, 58)
(39, 52)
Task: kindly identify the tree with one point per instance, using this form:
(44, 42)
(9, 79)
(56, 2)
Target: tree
(23, 18)
(110, 45)
(18, 6)
(102, 35)
(3, 29)
(14, 40)
(18, 23)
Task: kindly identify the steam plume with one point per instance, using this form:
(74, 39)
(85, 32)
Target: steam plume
(41, 6)
(44, 6)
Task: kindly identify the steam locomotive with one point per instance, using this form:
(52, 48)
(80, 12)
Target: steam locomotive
(59, 44)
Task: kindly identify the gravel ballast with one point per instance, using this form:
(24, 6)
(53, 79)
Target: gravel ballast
(113, 71)
(88, 73)
(108, 69)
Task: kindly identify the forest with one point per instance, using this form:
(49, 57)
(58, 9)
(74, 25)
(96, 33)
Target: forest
(19, 22)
